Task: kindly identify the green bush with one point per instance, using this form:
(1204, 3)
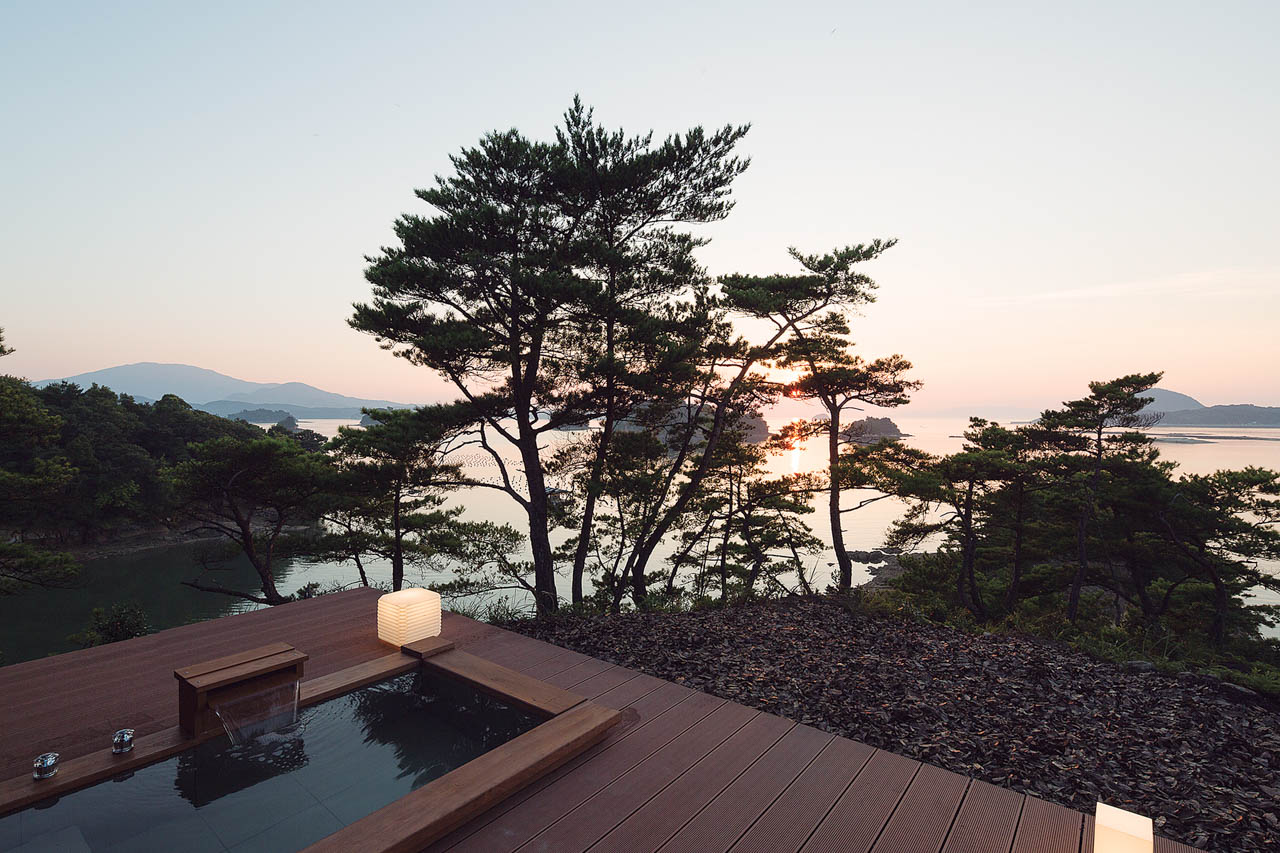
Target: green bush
(118, 622)
(1176, 642)
(928, 583)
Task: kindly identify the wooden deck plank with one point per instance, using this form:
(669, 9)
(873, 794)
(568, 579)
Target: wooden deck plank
(924, 814)
(556, 664)
(513, 651)
(198, 669)
(631, 694)
(522, 823)
(607, 680)
(654, 823)
(605, 809)
(464, 631)
(577, 673)
(788, 823)
(723, 821)
(263, 665)
(855, 821)
(987, 820)
(1047, 828)
(642, 699)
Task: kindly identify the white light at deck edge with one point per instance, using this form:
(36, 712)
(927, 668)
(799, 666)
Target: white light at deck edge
(1118, 831)
(408, 615)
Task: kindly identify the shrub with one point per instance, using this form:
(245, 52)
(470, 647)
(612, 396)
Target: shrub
(122, 621)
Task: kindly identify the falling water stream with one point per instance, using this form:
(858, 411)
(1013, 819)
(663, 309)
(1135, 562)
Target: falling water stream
(270, 710)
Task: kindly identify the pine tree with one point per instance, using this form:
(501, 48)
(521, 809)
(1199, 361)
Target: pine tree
(393, 479)
(1092, 431)
(840, 380)
(251, 492)
(532, 249)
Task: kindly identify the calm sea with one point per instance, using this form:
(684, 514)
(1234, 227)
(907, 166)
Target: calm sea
(37, 623)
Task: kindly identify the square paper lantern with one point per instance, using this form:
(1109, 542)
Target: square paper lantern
(408, 615)
(1118, 831)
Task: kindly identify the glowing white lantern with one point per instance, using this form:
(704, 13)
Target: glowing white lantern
(408, 615)
(1118, 831)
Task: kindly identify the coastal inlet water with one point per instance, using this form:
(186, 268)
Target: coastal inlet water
(37, 623)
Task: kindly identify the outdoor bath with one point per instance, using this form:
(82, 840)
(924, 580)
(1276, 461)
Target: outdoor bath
(394, 751)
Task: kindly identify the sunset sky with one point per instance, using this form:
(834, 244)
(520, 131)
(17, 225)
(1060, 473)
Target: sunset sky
(1079, 190)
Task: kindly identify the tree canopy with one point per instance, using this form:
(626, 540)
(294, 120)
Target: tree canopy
(545, 267)
(1077, 516)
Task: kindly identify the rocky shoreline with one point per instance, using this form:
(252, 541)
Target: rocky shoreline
(1201, 759)
(134, 542)
(881, 563)
(148, 539)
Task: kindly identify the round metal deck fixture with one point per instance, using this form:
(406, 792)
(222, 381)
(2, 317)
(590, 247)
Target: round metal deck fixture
(45, 766)
(122, 741)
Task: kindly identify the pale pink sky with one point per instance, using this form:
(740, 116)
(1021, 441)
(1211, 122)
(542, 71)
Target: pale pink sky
(1078, 193)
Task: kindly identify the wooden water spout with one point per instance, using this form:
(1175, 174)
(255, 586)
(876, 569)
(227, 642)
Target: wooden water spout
(202, 686)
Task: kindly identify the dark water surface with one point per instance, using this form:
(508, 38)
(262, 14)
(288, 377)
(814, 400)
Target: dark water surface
(37, 622)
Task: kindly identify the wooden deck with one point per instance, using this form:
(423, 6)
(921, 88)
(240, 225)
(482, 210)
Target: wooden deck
(685, 771)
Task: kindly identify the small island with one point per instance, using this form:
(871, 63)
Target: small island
(869, 430)
(261, 416)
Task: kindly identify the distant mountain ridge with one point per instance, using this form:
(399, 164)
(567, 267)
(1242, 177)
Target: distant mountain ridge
(1235, 416)
(1177, 409)
(1170, 401)
(223, 395)
(1181, 410)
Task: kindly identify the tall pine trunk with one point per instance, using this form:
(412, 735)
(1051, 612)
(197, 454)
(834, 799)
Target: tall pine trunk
(1082, 528)
(968, 559)
(1221, 602)
(1011, 597)
(397, 544)
(1082, 560)
(843, 560)
(544, 570)
(602, 450)
(589, 505)
(269, 590)
(648, 542)
(261, 564)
